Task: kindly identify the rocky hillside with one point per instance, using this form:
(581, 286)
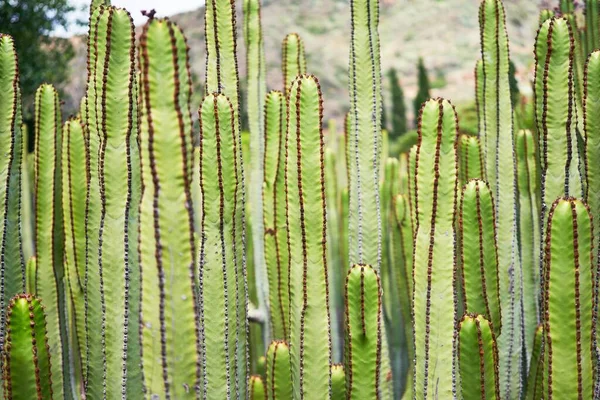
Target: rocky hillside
(444, 32)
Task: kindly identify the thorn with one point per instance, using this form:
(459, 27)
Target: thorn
(150, 14)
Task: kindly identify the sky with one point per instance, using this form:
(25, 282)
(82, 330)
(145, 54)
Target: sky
(163, 8)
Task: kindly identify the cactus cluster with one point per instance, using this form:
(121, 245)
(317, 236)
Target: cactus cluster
(143, 259)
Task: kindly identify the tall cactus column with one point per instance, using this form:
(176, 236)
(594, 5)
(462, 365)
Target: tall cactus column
(293, 60)
(170, 332)
(12, 267)
(49, 231)
(434, 300)
(310, 340)
(501, 175)
(222, 77)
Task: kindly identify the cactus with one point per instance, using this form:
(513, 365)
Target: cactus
(592, 26)
(275, 236)
(26, 353)
(470, 159)
(257, 388)
(278, 371)
(30, 275)
(534, 379)
(569, 304)
(479, 253)
(167, 251)
(364, 331)
(49, 231)
(27, 218)
(293, 60)
(412, 187)
(478, 358)
(338, 382)
(310, 339)
(434, 301)
(529, 229)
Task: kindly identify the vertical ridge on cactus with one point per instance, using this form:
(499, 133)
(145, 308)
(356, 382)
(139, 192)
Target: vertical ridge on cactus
(310, 338)
(30, 275)
(412, 187)
(167, 251)
(278, 367)
(592, 26)
(222, 77)
(27, 216)
(434, 300)
(338, 382)
(26, 354)
(257, 388)
(478, 358)
(471, 159)
(275, 236)
(479, 253)
(536, 373)
(48, 231)
(293, 60)
(12, 263)
(364, 332)
(501, 176)
(219, 264)
(529, 228)
(257, 90)
(74, 186)
(569, 304)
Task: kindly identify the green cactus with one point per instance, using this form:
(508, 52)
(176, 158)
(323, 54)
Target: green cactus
(49, 231)
(412, 187)
(293, 60)
(479, 103)
(479, 253)
(470, 158)
(545, 14)
(364, 330)
(534, 379)
(592, 26)
(569, 304)
(278, 371)
(338, 382)
(529, 228)
(27, 219)
(434, 301)
(501, 175)
(257, 388)
(274, 215)
(26, 354)
(170, 332)
(478, 358)
(310, 339)
(30, 275)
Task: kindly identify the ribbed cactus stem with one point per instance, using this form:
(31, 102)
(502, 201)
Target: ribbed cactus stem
(220, 265)
(293, 60)
(479, 104)
(12, 264)
(256, 388)
(529, 229)
(27, 216)
(501, 175)
(536, 372)
(592, 26)
(169, 329)
(278, 367)
(364, 330)
(470, 159)
(74, 186)
(26, 354)
(545, 14)
(479, 253)
(275, 230)
(412, 187)
(49, 231)
(338, 382)
(30, 275)
(569, 312)
(310, 340)
(434, 300)
(478, 359)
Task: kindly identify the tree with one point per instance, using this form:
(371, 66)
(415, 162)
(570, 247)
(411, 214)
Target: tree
(42, 58)
(424, 88)
(398, 116)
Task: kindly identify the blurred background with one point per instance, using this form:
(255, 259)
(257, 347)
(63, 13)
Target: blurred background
(429, 48)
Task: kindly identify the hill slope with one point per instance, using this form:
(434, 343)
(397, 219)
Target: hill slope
(444, 32)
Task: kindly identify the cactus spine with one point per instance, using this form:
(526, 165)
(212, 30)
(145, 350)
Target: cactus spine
(278, 371)
(478, 359)
(48, 231)
(364, 331)
(12, 265)
(479, 253)
(294, 60)
(275, 230)
(310, 340)
(26, 353)
(569, 303)
(434, 307)
(170, 345)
